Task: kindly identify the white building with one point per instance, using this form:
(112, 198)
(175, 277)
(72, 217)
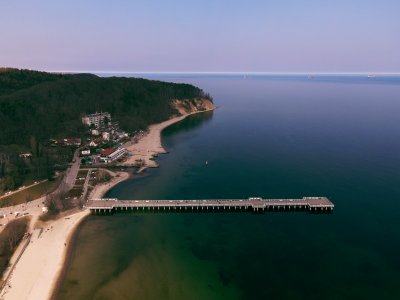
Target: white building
(25, 155)
(110, 155)
(85, 151)
(96, 119)
(106, 136)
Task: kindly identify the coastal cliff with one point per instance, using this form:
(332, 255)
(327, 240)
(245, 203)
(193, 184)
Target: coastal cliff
(189, 106)
(150, 145)
(36, 107)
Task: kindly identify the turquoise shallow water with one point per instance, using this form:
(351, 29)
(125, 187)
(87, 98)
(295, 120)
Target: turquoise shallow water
(270, 137)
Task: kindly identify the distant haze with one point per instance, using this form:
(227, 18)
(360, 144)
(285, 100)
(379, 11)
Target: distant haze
(200, 36)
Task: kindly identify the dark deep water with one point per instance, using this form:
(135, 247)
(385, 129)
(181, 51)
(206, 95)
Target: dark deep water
(272, 137)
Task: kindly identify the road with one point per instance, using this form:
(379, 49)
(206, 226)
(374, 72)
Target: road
(34, 208)
(72, 171)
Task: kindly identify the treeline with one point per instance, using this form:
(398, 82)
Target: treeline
(9, 240)
(36, 106)
(12, 80)
(14, 170)
(43, 105)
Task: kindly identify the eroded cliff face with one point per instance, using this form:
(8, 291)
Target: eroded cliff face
(188, 106)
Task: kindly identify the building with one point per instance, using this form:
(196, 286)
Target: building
(95, 132)
(106, 136)
(85, 151)
(69, 142)
(110, 155)
(97, 119)
(121, 135)
(25, 155)
(96, 142)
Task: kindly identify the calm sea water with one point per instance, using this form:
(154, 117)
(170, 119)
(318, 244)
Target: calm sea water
(272, 137)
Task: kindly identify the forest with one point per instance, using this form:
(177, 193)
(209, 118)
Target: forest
(36, 106)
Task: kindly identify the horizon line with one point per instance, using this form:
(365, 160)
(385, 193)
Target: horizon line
(225, 72)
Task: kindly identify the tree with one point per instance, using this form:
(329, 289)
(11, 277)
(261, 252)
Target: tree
(34, 146)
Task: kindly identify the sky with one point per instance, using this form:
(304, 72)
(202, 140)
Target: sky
(201, 36)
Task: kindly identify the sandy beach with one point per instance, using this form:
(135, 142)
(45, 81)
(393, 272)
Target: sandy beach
(101, 189)
(37, 272)
(150, 145)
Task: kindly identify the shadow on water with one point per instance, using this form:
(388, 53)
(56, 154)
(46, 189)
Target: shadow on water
(189, 124)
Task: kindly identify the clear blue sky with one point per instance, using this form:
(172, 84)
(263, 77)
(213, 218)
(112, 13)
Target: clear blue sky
(202, 35)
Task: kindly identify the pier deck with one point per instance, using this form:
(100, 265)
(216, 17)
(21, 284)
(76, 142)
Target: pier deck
(311, 204)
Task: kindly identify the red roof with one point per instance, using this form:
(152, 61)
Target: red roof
(107, 152)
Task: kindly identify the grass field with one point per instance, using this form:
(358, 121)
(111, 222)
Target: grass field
(28, 194)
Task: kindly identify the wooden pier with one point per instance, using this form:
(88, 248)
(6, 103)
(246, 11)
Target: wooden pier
(255, 204)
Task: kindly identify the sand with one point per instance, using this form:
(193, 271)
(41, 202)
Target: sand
(101, 189)
(150, 144)
(36, 273)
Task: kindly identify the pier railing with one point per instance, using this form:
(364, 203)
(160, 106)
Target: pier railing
(255, 204)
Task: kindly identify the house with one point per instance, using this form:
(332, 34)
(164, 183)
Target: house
(121, 134)
(106, 136)
(25, 155)
(69, 142)
(95, 132)
(110, 155)
(85, 151)
(96, 142)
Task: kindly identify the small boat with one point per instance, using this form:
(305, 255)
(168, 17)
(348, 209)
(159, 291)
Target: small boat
(206, 162)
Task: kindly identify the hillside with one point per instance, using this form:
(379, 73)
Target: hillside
(44, 105)
(37, 106)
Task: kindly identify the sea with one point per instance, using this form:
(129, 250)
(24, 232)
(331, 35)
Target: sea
(271, 136)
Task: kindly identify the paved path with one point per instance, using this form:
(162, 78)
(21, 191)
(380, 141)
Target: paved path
(22, 189)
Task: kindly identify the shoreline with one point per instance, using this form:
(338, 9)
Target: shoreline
(97, 192)
(56, 288)
(60, 247)
(39, 272)
(150, 145)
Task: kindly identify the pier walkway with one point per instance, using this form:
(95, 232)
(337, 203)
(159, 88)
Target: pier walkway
(255, 204)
